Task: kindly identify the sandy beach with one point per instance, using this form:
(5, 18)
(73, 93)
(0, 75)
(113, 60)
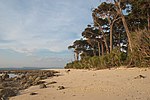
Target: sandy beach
(114, 84)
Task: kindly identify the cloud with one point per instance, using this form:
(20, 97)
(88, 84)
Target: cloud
(3, 41)
(40, 58)
(27, 26)
(23, 28)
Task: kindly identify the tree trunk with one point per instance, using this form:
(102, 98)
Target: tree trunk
(119, 42)
(76, 56)
(94, 52)
(111, 37)
(99, 51)
(119, 10)
(101, 30)
(102, 46)
(111, 30)
(89, 42)
(105, 41)
(148, 19)
(127, 32)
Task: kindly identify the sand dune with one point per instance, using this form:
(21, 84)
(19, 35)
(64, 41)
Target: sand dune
(114, 84)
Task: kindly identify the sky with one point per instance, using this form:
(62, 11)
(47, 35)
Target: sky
(37, 33)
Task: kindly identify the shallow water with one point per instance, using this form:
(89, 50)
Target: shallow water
(12, 75)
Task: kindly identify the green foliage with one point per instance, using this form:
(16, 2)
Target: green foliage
(112, 59)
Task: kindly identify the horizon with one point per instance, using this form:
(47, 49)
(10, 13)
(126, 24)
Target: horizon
(37, 33)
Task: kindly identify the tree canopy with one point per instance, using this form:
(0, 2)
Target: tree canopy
(112, 38)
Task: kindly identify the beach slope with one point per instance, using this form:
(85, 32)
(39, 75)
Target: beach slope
(114, 84)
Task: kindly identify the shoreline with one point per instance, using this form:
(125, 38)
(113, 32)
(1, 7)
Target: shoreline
(23, 79)
(79, 84)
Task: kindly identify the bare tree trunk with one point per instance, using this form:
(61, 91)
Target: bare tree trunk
(105, 41)
(101, 30)
(99, 51)
(76, 56)
(119, 42)
(148, 19)
(111, 37)
(127, 32)
(102, 46)
(89, 41)
(119, 10)
(111, 31)
(94, 52)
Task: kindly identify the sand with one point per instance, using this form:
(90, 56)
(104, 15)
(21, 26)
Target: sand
(114, 84)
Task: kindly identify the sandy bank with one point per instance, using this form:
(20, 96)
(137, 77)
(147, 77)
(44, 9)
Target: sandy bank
(115, 84)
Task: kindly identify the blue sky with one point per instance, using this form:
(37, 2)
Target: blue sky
(36, 33)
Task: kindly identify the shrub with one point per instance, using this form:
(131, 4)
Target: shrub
(110, 60)
(141, 49)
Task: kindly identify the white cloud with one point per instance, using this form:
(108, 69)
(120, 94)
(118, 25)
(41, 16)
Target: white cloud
(30, 25)
(23, 30)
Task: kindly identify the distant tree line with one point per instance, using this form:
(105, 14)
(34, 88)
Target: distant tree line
(120, 35)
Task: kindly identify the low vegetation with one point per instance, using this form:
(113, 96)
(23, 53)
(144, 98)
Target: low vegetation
(141, 55)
